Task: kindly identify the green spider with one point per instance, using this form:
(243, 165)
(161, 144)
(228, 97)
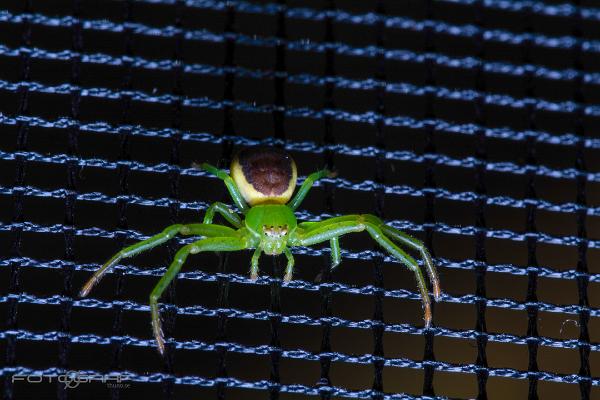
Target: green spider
(261, 183)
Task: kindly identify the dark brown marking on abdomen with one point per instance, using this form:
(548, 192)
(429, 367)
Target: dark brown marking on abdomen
(267, 169)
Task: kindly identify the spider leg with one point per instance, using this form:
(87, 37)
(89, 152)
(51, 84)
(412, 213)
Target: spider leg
(231, 186)
(254, 264)
(392, 233)
(225, 212)
(417, 245)
(289, 269)
(308, 226)
(230, 243)
(334, 243)
(167, 234)
(336, 256)
(338, 226)
(306, 186)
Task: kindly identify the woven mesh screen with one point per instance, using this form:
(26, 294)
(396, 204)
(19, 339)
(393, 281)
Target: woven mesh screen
(470, 123)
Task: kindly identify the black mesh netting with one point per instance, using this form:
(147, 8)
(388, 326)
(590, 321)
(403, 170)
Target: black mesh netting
(472, 124)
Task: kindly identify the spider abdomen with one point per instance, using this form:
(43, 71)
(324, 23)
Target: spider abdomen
(264, 175)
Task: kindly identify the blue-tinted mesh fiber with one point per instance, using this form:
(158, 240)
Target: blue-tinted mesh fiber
(326, 147)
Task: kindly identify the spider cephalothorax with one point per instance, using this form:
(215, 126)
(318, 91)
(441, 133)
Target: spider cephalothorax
(272, 225)
(261, 185)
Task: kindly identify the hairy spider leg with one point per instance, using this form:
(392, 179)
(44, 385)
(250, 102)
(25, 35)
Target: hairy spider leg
(234, 192)
(313, 233)
(306, 186)
(229, 243)
(225, 212)
(417, 245)
(167, 234)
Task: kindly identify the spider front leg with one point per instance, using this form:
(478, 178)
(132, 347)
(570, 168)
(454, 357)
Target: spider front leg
(311, 233)
(167, 234)
(230, 243)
